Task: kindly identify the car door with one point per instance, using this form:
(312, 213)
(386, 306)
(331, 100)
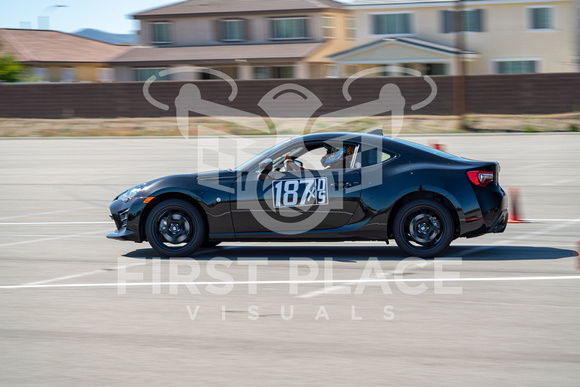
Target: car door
(289, 203)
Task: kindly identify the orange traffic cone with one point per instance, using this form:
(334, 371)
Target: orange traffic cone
(514, 215)
(435, 145)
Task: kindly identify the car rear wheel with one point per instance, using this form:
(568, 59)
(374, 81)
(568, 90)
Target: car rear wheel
(423, 228)
(175, 228)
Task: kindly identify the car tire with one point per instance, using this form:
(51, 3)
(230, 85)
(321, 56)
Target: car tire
(175, 228)
(423, 228)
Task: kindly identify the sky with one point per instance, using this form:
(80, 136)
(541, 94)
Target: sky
(106, 15)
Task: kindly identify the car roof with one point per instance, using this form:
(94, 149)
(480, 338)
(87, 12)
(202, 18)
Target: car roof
(395, 144)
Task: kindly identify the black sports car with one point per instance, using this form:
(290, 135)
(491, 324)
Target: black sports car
(320, 187)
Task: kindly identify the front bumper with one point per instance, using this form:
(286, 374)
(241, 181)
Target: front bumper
(123, 234)
(126, 217)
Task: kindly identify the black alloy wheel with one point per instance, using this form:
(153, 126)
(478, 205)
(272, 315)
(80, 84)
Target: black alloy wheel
(423, 228)
(175, 228)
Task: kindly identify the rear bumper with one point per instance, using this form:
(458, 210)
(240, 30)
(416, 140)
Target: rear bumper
(500, 223)
(493, 207)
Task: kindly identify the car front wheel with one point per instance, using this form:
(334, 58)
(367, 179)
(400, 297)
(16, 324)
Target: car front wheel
(175, 228)
(423, 228)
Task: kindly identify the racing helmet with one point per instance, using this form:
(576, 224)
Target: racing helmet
(336, 157)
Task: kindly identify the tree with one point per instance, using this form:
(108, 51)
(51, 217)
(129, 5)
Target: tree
(10, 69)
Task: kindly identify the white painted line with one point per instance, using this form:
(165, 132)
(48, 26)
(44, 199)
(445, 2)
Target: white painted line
(98, 271)
(326, 290)
(510, 304)
(26, 235)
(50, 223)
(53, 238)
(46, 213)
(80, 275)
(552, 246)
(559, 182)
(287, 282)
(529, 167)
(565, 181)
(521, 237)
(332, 289)
(550, 220)
(544, 231)
(64, 278)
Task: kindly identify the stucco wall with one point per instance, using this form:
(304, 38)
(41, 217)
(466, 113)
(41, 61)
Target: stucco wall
(506, 33)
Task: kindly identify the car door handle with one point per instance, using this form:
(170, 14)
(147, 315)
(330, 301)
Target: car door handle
(342, 184)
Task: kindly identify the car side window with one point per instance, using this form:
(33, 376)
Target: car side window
(373, 156)
(317, 156)
(311, 159)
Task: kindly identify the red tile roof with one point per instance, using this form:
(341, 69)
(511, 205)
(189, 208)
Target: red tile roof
(35, 46)
(213, 7)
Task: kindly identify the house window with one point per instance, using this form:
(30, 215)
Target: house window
(41, 74)
(472, 21)
(289, 28)
(327, 27)
(261, 72)
(350, 28)
(283, 72)
(541, 18)
(401, 69)
(392, 23)
(69, 75)
(161, 32)
(332, 71)
(105, 75)
(144, 73)
(435, 69)
(264, 72)
(208, 74)
(351, 70)
(233, 30)
(516, 66)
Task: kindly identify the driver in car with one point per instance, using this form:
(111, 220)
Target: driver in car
(290, 165)
(337, 158)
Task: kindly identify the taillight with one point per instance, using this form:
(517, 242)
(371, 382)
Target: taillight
(480, 178)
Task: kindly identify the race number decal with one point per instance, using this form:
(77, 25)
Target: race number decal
(300, 192)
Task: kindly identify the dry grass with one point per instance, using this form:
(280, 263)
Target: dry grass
(167, 126)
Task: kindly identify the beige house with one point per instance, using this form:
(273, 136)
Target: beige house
(53, 56)
(251, 39)
(500, 36)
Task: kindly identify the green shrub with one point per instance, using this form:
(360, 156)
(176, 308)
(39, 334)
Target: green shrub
(10, 69)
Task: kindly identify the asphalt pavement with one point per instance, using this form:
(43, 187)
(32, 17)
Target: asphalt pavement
(79, 309)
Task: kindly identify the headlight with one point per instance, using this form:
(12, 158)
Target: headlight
(130, 193)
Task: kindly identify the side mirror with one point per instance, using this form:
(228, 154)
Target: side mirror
(265, 166)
